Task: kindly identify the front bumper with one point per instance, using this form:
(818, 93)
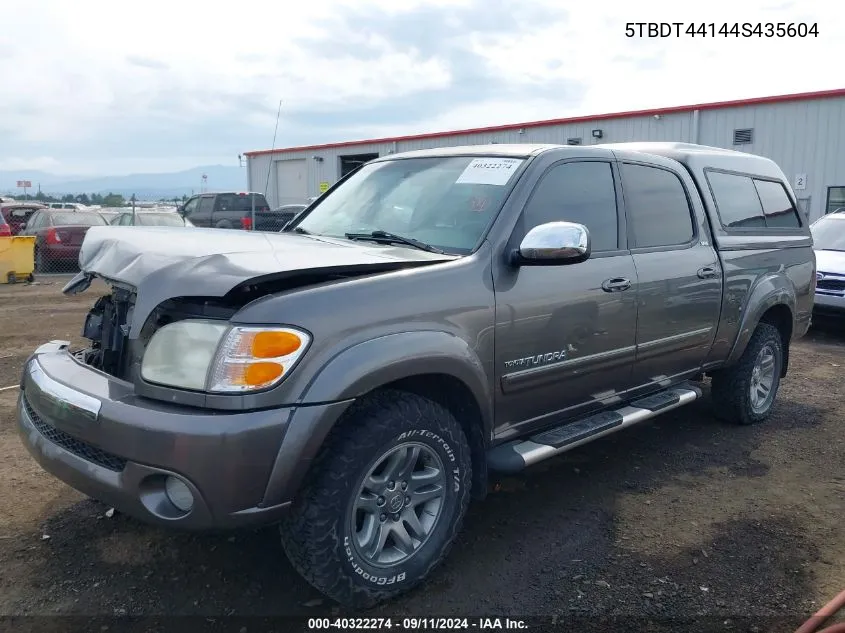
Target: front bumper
(829, 302)
(91, 431)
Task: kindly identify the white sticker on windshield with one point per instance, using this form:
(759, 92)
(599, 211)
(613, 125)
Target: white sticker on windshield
(489, 171)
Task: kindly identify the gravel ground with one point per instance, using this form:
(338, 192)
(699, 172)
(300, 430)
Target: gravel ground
(679, 524)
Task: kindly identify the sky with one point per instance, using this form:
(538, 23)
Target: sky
(106, 88)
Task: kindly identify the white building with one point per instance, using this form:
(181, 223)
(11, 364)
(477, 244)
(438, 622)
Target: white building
(804, 133)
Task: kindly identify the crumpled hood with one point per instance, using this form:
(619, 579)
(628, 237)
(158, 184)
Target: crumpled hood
(830, 262)
(166, 262)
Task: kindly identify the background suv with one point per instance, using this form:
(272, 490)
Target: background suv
(229, 210)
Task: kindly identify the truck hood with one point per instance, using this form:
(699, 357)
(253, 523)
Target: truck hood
(161, 263)
(830, 262)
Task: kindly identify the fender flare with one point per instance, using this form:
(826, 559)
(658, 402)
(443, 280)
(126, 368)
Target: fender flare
(770, 291)
(359, 369)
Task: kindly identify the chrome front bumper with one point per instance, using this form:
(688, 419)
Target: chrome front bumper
(90, 430)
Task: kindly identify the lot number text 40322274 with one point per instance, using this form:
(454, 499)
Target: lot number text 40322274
(725, 29)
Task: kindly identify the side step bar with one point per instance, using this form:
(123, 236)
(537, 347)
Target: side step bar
(517, 455)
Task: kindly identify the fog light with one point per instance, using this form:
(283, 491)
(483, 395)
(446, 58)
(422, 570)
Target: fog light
(178, 493)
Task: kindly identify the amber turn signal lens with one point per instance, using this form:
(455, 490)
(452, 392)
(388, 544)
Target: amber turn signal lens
(258, 374)
(274, 344)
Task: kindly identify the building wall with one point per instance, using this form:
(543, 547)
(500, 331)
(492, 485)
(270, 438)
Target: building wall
(803, 137)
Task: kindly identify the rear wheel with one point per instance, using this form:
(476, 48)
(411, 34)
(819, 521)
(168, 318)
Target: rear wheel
(384, 502)
(42, 264)
(745, 393)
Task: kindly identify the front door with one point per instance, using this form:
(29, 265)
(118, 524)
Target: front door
(679, 273)
(565, 335)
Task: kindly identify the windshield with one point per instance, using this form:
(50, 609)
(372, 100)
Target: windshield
(829, 234)
(445, 201)
(79, 219)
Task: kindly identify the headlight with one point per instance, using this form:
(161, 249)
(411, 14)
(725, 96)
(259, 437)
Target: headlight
(180, 353)
(256, 358)
(215, 357)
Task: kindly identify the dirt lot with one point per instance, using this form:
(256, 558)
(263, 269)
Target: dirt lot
(680, 518)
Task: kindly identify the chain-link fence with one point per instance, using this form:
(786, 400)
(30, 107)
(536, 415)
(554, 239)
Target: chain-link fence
(57, 234)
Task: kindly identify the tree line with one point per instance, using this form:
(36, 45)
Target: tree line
(107, 200)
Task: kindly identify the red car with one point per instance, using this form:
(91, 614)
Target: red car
(17, 214)
(58, 236)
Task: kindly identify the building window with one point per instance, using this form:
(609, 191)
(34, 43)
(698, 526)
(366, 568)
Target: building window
(835, 199)
(743, 137)
(573, 141)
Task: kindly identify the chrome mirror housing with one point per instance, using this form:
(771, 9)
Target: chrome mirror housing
(554, 243)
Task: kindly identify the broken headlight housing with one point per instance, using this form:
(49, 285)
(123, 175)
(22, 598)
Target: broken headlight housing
(215, 357)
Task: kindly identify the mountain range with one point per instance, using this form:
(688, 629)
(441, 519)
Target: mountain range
(143, 186)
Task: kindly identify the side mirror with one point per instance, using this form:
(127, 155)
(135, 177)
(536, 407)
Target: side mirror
(181, 210)
(554, 244)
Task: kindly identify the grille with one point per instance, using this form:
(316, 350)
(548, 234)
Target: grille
(79, 448)
(831, 284)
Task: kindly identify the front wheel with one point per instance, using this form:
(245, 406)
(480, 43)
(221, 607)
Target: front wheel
(385, 500)
(745, 393)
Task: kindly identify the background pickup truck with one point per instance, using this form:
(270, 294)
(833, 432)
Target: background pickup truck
(435, 315)
(228, 210)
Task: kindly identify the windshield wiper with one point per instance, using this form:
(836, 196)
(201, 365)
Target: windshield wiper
(384, 236)
(299, 230)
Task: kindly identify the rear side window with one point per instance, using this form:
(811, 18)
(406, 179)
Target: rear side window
(237, 202)
(776, 205)
(657, 207)
(581, 192)
(745, 202)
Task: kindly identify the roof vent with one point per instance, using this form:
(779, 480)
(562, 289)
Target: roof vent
(743, 137)
(573, 141)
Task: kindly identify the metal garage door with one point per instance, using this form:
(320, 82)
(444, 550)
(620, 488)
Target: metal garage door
(291, 183)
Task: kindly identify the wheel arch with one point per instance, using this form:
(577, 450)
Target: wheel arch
(436, 365)
(772, 301)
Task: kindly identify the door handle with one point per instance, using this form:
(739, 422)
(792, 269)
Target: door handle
(616, 284)
(708, 272)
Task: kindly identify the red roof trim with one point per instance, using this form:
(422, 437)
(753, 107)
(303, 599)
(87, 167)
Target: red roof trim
(800, 96)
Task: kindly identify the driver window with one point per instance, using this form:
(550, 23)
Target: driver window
(191, 206)
(581, 192)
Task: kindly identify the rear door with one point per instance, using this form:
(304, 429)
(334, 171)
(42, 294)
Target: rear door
(680, 287)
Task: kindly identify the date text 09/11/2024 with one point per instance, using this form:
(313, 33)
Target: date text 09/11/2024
(725, 29)
(416, 624)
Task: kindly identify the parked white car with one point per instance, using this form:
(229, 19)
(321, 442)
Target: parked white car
(829, 244)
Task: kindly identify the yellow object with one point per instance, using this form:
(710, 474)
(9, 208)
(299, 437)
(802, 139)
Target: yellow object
(273, 344)
(324, 187)
(17, 258)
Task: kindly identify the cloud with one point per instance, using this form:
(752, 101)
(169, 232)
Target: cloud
(146, 62)
(102, 86)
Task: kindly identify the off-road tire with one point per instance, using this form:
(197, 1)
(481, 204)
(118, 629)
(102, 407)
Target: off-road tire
(730, 388)
(316, 535)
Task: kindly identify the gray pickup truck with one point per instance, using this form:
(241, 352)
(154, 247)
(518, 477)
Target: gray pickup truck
(434, 316)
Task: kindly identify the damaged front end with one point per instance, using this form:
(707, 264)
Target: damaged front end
(107, 327)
